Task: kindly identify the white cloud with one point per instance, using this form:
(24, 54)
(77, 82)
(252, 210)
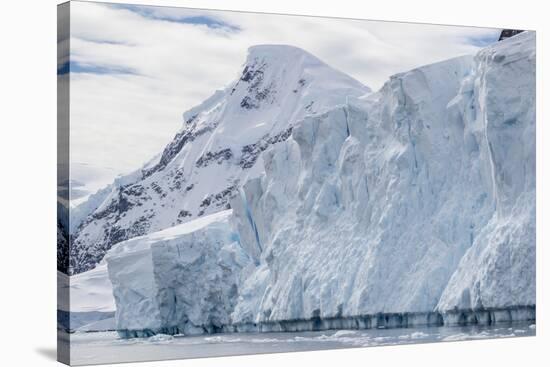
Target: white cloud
(121, 120)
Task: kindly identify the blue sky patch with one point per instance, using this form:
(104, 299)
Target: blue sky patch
(105, 41)
(77, 67)
(484, 40)
(151, 12)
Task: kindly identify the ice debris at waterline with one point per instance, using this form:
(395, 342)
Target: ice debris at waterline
(405, 205)
(93, 348)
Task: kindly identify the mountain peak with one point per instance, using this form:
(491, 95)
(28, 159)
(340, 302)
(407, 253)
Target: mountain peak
(279, 74)
(279, 52)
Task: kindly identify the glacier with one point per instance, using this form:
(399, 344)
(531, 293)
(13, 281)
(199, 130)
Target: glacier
(417, 198)
(179, 280)
(412, 205)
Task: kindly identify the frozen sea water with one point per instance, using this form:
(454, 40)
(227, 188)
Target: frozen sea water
(107, 347)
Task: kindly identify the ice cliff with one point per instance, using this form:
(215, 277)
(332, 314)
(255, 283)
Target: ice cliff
(186, 276)
(418, 199)
(499, 268)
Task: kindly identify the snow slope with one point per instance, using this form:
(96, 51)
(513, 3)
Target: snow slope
(417, 198)
(217, 149)
(92, 291)
(86, 300)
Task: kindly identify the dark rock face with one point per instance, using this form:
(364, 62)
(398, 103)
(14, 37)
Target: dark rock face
(178, 179)
(62, 248)
(251, 152)
(219, 200)
(63, 237)
(176, 145)
(85, 256)
(253, 76)
(209, 157)
(507, 33)
(128, 197)
(155, 186)
(253, 73)
(184, 213)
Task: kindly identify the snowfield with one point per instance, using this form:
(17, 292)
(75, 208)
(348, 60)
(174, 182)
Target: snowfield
(92, 291)
(85, 301)
(297, 195)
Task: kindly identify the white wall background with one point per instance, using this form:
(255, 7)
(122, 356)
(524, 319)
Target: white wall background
(28, 174)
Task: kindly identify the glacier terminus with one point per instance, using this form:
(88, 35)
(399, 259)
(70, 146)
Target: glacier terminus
(298, 199)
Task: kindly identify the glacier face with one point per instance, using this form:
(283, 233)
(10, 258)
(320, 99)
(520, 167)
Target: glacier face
(417, 198)
(499, 268)
(217, 149)
(181, 279)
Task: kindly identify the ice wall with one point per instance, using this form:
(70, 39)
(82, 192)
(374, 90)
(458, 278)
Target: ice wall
(180, 280)
(499, 268)
(417, 198)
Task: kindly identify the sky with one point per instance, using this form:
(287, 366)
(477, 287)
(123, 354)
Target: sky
(134, 70)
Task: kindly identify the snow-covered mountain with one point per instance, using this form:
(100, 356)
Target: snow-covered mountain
(216, 150)
(419, 198)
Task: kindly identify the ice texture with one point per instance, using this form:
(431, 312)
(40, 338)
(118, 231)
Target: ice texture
(499, 268)
(417, 198)
(416, 202)
(179, 280)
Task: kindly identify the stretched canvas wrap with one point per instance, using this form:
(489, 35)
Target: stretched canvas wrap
(237, 183)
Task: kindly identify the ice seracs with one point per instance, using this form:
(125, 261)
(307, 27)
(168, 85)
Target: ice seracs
(412, 205)
(418, 198)
(498, 270)
(180, 280)
(353, 211)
